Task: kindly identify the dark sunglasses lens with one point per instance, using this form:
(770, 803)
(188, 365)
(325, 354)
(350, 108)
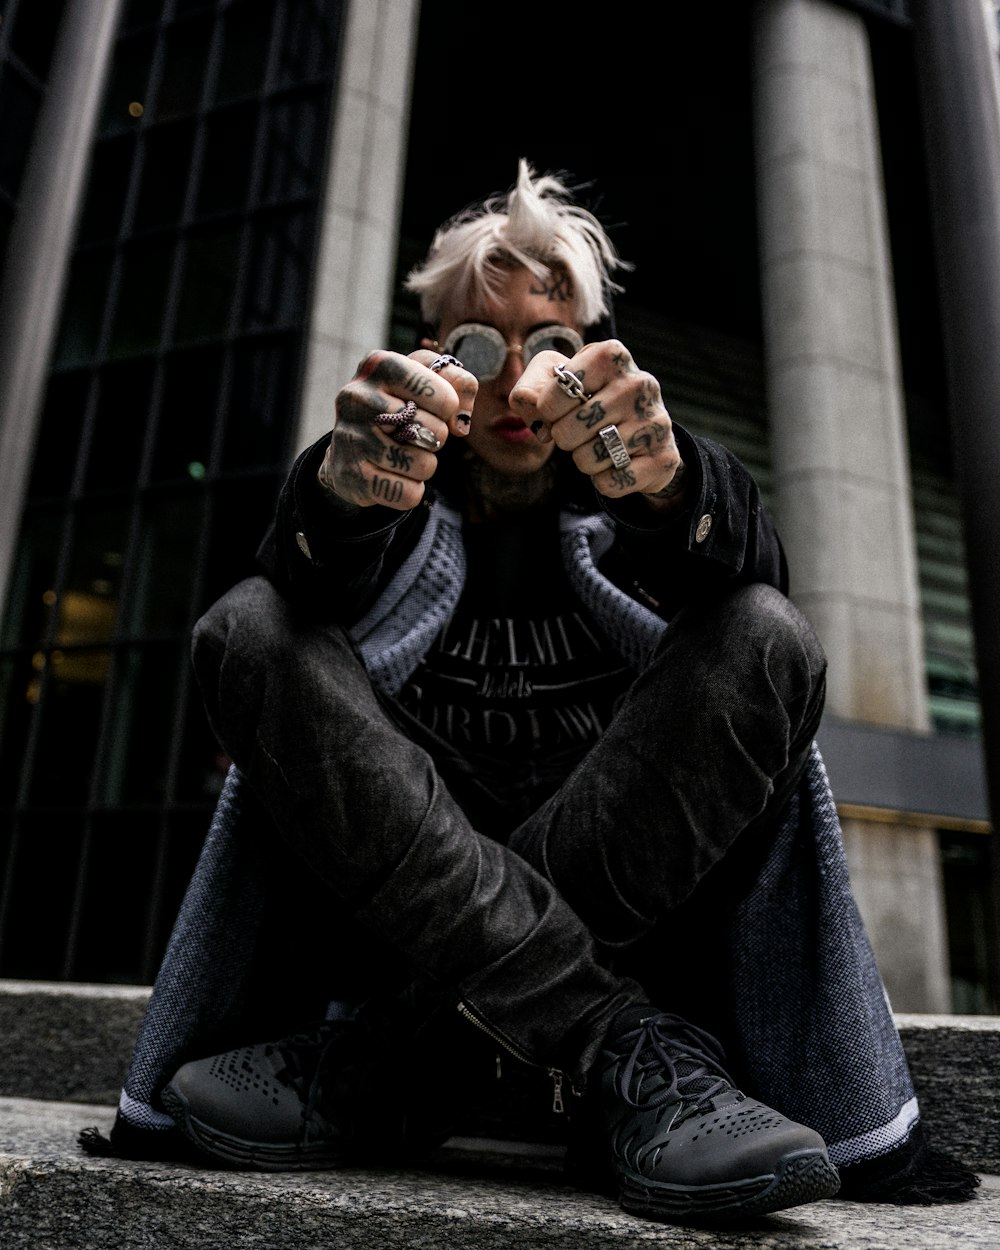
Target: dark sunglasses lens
(555, 339)
(478, 354)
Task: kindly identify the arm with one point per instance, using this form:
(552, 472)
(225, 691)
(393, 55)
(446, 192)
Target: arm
(723, 536)
(353, 504)
(330, 558)
(688, 514)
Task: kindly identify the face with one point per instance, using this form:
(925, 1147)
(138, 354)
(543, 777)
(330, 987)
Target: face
(525, 303)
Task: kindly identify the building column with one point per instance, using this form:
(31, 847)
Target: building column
(955, 50)
(838, 431)
(359, 217)
(39, 245)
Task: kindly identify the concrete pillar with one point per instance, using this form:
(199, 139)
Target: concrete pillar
(838, 431)
(956, 60)
(359, 223)
(38, 249)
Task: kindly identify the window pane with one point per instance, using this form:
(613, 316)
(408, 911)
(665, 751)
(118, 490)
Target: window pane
(123, 398)
(72, 691)
(225, 178)
(293, 148)
(241, 513)
(145, 691)
(86, 608)
(188, 414)
(246, 36)
(121, 870)
(141, 298)
(32, 587)
(59, 435)
(83, 308)
(129, 75)
(260, 399)
(141, 13)
(210, 272)
(165, 167)
(307, 44)
(184, 69)
(279, 268)
(160, 591)
(19, 689)
(106, 189)
(48, 850)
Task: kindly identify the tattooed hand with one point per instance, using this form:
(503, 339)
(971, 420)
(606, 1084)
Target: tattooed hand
(364, 464)
(620, 394)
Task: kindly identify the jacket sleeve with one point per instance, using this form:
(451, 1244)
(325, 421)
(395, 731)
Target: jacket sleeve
(723, 538)
(327, 559)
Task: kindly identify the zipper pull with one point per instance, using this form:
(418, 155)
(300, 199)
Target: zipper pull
(499, 1067)
(558, 1106)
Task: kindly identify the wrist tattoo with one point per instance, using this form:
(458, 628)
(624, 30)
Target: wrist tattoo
(674, 487)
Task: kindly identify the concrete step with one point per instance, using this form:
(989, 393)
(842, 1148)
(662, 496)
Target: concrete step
(473, 1195)
(71, 1043)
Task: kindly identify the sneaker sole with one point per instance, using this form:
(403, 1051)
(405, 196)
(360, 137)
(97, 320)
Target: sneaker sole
(235, 1152)
(805, 1176)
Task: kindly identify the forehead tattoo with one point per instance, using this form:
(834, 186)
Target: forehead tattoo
(556, 287)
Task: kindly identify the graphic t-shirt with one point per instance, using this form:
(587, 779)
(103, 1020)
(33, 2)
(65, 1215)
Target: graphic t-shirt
(521, 681)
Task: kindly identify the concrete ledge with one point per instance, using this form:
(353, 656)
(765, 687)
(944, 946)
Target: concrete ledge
(66, 1040)
(52, 1196)
(70, 1042)
(955, 1062)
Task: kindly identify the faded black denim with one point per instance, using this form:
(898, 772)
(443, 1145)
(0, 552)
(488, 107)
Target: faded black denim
(702, 754)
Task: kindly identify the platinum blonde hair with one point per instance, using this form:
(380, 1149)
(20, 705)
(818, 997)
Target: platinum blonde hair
(535, 224)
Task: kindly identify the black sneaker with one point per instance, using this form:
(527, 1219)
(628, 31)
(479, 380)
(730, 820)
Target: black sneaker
(685, 1145)
(310, 1101)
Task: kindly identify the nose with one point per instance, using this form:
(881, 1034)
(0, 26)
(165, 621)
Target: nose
(513, 366)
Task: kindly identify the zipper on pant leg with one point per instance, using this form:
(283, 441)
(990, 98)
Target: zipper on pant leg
(556, 1075)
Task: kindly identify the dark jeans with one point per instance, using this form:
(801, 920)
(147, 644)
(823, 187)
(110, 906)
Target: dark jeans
(699, 760)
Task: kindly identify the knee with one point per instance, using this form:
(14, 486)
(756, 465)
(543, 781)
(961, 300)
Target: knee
(248, 619)
(772, 621)
(253, 629)
(769, 636)
(753, 631)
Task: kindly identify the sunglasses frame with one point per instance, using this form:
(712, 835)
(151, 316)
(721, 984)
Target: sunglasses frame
(493, 336)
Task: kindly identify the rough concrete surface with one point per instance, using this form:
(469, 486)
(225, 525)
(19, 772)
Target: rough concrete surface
(955, 1062)
(54, 1197)
(68, 1042)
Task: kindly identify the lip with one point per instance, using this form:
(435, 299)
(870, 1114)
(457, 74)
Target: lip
(513, 430)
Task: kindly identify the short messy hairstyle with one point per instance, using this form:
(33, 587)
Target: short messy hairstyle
(535, 224)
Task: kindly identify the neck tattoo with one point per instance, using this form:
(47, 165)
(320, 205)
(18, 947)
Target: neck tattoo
(492, 493)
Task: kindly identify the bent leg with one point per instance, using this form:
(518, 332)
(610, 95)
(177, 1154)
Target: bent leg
(706, 748)
(364, 808)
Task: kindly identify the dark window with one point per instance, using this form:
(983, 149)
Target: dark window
(165, 434)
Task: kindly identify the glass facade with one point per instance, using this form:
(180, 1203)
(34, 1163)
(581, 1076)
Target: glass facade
(165, 432)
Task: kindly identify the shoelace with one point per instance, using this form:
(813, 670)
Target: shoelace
(670, 1049)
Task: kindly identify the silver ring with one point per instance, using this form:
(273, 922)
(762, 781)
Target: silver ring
(441, 362)
(402, 427)
(616, 448)
(570, 383)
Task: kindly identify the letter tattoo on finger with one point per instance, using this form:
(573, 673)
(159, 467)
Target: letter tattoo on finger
(387, 488)
(592, 414)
